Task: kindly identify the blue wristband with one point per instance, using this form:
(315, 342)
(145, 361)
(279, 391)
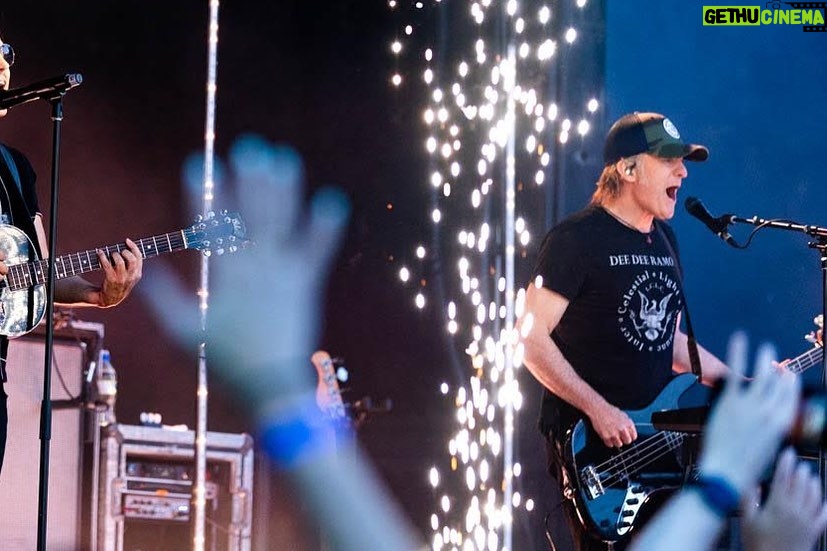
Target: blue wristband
(718, 494)
(297, 434)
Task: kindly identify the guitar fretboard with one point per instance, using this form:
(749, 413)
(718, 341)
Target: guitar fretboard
(806, 360)
(22, 276)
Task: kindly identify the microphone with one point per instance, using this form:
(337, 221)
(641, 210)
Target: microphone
(50, 88)
(718, 226)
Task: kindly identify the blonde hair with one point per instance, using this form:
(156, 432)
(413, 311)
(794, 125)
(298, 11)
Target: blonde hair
(608, 185)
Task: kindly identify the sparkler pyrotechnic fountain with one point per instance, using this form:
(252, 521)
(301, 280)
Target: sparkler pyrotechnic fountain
(492, 130)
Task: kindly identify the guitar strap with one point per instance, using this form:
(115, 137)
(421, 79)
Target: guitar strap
(690, 447)
(691, 343)
(12, 166)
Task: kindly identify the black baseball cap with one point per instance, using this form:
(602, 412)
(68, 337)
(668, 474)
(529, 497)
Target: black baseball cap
(648, 133)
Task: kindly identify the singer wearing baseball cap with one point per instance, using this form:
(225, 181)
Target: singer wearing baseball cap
(600, 327)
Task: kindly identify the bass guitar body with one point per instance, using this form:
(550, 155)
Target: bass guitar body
(609, 486)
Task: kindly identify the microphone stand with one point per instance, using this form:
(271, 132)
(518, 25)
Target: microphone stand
(812, 231)
(820, 244)
(52, 90)
(46, 406)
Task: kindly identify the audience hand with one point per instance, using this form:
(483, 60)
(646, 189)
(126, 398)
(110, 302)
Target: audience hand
(794, 514)
(265, 308)
(747, 424)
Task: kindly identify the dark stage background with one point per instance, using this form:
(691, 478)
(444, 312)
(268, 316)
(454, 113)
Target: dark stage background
(315, 75)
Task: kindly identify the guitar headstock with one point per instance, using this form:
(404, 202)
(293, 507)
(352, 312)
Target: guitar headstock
(219, 233)
(328, 394)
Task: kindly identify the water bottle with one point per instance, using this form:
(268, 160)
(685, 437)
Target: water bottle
(107, 387)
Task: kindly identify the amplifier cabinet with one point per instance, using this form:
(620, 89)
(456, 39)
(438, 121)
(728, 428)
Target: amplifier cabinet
(145, 490)
(73, 453)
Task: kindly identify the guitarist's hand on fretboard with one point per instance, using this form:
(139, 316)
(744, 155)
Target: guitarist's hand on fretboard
(808, 359)
(122, 271)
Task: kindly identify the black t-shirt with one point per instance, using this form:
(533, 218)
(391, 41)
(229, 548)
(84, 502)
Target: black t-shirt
(625, 295)
(22, 216)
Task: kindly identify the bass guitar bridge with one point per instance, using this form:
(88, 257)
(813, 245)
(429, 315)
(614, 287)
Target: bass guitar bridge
(590, 481)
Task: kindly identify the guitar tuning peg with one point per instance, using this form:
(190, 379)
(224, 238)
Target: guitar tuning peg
(206, 244)
(223, 212)
(219, 251)
(233, 248)
(207, 253)
(199, 218)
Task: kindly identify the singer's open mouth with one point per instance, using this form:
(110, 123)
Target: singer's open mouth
(672, 192)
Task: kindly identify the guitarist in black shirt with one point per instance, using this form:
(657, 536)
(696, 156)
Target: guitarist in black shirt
(600, 330)
(19, 208)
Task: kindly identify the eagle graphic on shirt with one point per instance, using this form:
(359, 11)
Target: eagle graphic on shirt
(653, 319)
(649, 310)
